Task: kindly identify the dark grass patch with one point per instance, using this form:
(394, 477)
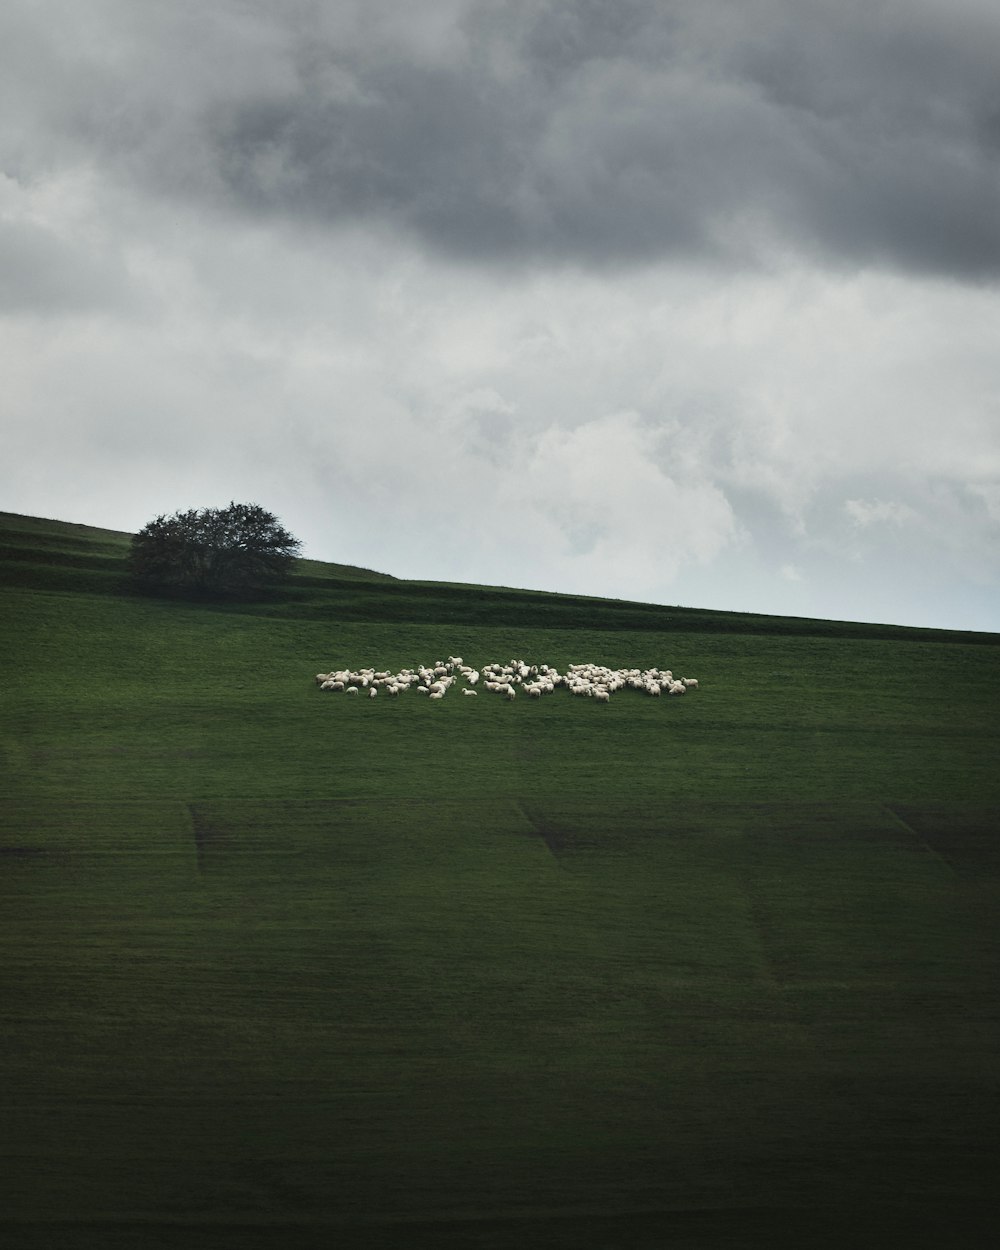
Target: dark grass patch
(396, 1007)
(882, 1227)
(553, 834)
(967, 836)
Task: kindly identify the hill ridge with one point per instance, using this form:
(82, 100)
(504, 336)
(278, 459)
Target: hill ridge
(46, 553)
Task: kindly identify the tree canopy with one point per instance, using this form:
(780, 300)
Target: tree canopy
(237, 548)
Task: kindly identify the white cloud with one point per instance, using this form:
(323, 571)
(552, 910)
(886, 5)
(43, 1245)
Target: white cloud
(615, 514)
(877, 511)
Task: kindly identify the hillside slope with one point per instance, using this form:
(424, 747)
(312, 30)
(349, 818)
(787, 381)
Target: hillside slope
(283, 967)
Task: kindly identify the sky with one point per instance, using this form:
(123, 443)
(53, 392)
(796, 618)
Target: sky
(691, 302)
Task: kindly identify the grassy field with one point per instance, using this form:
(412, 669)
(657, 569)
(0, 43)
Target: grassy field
(286, 969)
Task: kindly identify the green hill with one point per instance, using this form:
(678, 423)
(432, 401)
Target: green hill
(287, 969)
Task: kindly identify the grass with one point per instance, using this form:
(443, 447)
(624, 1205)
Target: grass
(286, 969)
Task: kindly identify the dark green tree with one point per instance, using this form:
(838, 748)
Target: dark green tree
(208, 550)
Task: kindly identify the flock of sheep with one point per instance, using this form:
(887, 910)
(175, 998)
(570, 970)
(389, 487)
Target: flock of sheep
(592, 681)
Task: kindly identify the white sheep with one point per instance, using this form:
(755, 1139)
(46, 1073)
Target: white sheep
(585, 679)
(473, 693)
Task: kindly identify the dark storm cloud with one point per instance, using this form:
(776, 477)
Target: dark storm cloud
(584, 131)
(613, 133)
(579, 131)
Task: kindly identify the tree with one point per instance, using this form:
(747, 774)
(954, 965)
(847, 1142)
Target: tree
(213, 549)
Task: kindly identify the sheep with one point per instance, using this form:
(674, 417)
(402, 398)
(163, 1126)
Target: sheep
(587, 680)
(473, 693)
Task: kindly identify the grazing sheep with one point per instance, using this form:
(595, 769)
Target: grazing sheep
(585, 679)
(473, 693)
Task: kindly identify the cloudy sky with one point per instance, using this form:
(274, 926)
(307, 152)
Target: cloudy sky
(691, 302)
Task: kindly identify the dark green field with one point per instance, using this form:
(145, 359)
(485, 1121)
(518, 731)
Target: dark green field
(285, 969)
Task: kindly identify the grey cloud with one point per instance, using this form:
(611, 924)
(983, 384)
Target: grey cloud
(576, 132)
(43, 274)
